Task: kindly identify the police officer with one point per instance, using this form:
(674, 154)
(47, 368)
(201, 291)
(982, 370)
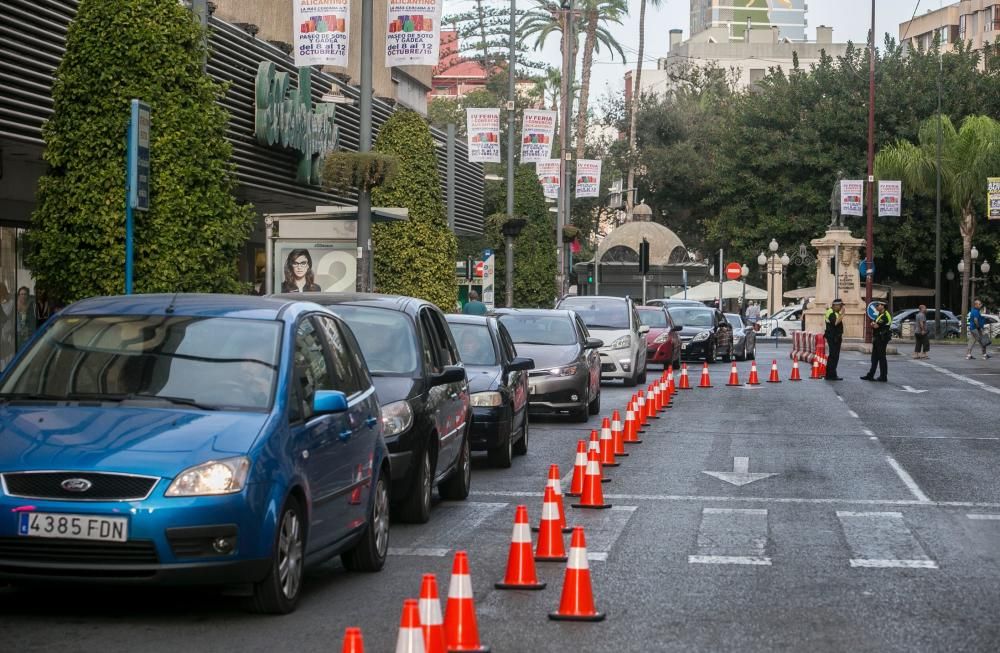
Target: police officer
(834, 319)
(880, 339)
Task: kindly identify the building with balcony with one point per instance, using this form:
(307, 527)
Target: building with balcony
(974, 22)
(736, 16)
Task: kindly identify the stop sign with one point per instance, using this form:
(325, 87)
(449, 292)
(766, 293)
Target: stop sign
(734, 271)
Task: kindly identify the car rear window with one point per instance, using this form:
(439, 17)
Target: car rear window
(599, 313)
(654, 318)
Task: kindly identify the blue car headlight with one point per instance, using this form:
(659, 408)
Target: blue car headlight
(226, 476)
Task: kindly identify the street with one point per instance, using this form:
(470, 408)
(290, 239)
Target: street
(854, 517)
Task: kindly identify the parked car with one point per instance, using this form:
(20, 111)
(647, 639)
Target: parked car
(498, 386)
(950, 324)
(615, 321)
(199, 439)
(567, 373)
(744, 338)
(663, 345)
(705, 333)
(421, 384)
(783, 322)
(992, 325)
(667, 303)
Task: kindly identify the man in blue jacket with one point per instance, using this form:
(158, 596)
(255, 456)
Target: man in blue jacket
(977, 330)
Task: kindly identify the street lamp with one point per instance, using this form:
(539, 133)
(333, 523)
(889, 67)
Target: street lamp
(511, 229)
(762, 260)
(744, 271)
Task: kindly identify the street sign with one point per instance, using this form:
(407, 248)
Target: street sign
(138, 156)
(479, 268)
(863, 268)
(489, 286)
(872, 313)
(734, 271)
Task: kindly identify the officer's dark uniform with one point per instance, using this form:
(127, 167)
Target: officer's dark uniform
(834, 335)
(880, 340)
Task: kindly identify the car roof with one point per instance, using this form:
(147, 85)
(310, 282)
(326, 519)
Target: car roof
(592, 297)
(650, 307)
(189, 304)
(500, 312)
(394, 302)
(677, 302)
(461, 318)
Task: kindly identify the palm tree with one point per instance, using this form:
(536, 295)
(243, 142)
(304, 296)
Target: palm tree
(636, 97)
(968, 156)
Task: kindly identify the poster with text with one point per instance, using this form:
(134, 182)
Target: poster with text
(537, 131)
(852, 197)
(548, 177)
(322, 32)
(890, 198)
(483, 129)
(412, 32)
(308, 266)
(588, 178)
(993, 198)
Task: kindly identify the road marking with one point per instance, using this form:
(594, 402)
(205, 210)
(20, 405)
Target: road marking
(983, 516)
(732, 536)
(455, 522)
(868, 432)
(959, 377)
(840, 398)
(603, 528)
(852, 414)
(594, 556)
(741, 474)
(912, 390)
(418, 551)
(873, 438)
(882, 540)
(907, 480)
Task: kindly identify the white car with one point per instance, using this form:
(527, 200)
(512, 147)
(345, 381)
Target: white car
(784, 322)
(615, 321)
(992, 324)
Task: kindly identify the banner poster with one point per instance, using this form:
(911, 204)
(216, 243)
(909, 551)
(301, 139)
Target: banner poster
(322, 32)
(308, 266)
(548, 176)
(483, 129)
(588, 178)
(852, 197)
(537, 131)
(412, 32)
(993, 198)
(890, 198)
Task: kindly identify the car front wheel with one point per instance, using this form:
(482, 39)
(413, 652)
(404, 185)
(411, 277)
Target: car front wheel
(279, 592)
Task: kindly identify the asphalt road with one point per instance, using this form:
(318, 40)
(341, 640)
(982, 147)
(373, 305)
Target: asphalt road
(878, 531)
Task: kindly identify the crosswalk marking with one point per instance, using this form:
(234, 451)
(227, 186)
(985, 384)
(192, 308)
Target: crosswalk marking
(732, 536)
(882, 540)
(983, 516)
(453, 522)
(603, 528)
(418, 551)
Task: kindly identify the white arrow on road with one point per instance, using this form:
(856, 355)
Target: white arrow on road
(913, 390)
(741, 474)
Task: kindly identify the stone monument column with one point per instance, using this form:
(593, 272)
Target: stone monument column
(775, 284)
(838, 245)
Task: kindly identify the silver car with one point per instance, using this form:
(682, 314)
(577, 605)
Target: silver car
(615, 321)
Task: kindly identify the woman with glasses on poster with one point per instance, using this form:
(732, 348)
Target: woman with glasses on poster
(299, 273)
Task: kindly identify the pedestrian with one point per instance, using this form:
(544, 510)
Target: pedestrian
(834, 334)
(753, 314)
(977, 330)
(921, 334)
(474, 306)
(880, 340)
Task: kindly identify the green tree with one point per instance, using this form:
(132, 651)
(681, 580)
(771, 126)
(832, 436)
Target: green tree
(415, 257)
(633, 109)
(190, 238)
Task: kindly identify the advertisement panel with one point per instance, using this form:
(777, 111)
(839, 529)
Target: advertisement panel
(852, 197)
(993, 198)
(483, 129)
(412, 32)
(310, 266)
(322, 32)
(537, 131)
(548, 176)
(890, 198)
(588, 178)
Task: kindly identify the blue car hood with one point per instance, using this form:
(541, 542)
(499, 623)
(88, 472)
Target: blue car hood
(157, 442)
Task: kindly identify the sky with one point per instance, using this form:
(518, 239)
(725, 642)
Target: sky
(850, 20)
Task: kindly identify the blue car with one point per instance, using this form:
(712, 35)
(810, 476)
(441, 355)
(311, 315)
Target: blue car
(191, 439)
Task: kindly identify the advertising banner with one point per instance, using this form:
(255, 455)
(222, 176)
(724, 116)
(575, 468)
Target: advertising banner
(890, 198)
(309, 266)
(588, 178)
(548, 176)
(412, 32)
(852, 197)
(489, 278)
(483, 129)
(537, 131)
(322, 32)
(993, 198)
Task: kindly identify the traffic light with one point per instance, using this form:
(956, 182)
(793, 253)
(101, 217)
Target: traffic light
(590, 273)
(644, 257)
(469, 264)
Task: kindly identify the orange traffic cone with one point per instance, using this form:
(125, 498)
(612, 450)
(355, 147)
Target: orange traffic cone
(460, 630)
(555, 482)
(607, 445)
(773, 378)
(352, 641)
(595, 446)
(593, 496)
(795, 371)
(550, 540)
(734, 376)
(665, 391)
(650, 403)
(617, 436)
(579, 469)
(822, 367)
(631, 428)
(521, 573)
(431, 621)
(577, 602)
(753, 380)
(671, 388)
(706, 382)
(815, 369)
(640, 409)
(685, 383)
(411, 636)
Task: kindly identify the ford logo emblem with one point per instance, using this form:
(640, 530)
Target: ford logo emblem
(76, 485)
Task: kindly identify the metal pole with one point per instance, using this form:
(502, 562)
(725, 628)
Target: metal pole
(511, 56)
(836, 270)
(268, 255)
(937, 216)
(509, 272)
(562, 217)
(720, 279)
(644, 290)
(869, 231)
(365, 267)
(449, 193)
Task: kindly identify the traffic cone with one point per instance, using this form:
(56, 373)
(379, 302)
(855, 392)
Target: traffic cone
(822, 367)
(352, 641)
(640, 410)
(706, 382)
(593, 496)
(795, 371)
(651, 403)
(685, 383)
(734, 376)
(654, 392)
(555, 482)
(815, 369)
(579, 469)
(671, 388)
(607, 445)
(753, 380)
(550, 540)
(665, 389)
(411, 635)
(617, 436)
(595, 446)
(631, 428)
(773, 378)
(460, 630)
(431, 621)
(577, 602)
(521, 573)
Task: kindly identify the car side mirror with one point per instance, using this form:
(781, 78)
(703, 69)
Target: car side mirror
(450, 374)
(329, 401)
(677, 327)
(643, 328)
(520, 364)
(593, 343)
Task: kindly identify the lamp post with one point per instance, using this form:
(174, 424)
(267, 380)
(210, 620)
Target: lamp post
(771, 270)
(971, 275)
(744, 271)
(950, 276)
(566, 90)
(511, 229)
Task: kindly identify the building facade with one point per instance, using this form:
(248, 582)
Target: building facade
(974, 22)
(788, 16)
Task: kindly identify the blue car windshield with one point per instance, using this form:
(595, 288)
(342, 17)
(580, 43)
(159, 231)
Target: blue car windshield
(474, 343)
(386, 338)
(200, 362)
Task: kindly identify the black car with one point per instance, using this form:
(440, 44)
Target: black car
(498, 383)
(422, 388)
(567, 373)
(705, 334)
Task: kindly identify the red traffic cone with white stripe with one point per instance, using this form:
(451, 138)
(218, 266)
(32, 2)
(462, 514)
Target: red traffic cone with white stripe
(774, 378)
(665, 391)
(353, 643)
(607, 445)
(577, 602)
(595, 446)
(706, 381)
(651, 407)
(521, 573)
(815, 369)
(555, 482)
(795, 371)
(411, 636)
(431, 621)
(685, 383)
(550, 540)
(617, 436)
(631, 435)
(734, 375)
(753, 380)
(640, 410)
(460, 630)
(654, 387)
(593, 496)
(579, 469)
(822, 367)
(671, 388)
